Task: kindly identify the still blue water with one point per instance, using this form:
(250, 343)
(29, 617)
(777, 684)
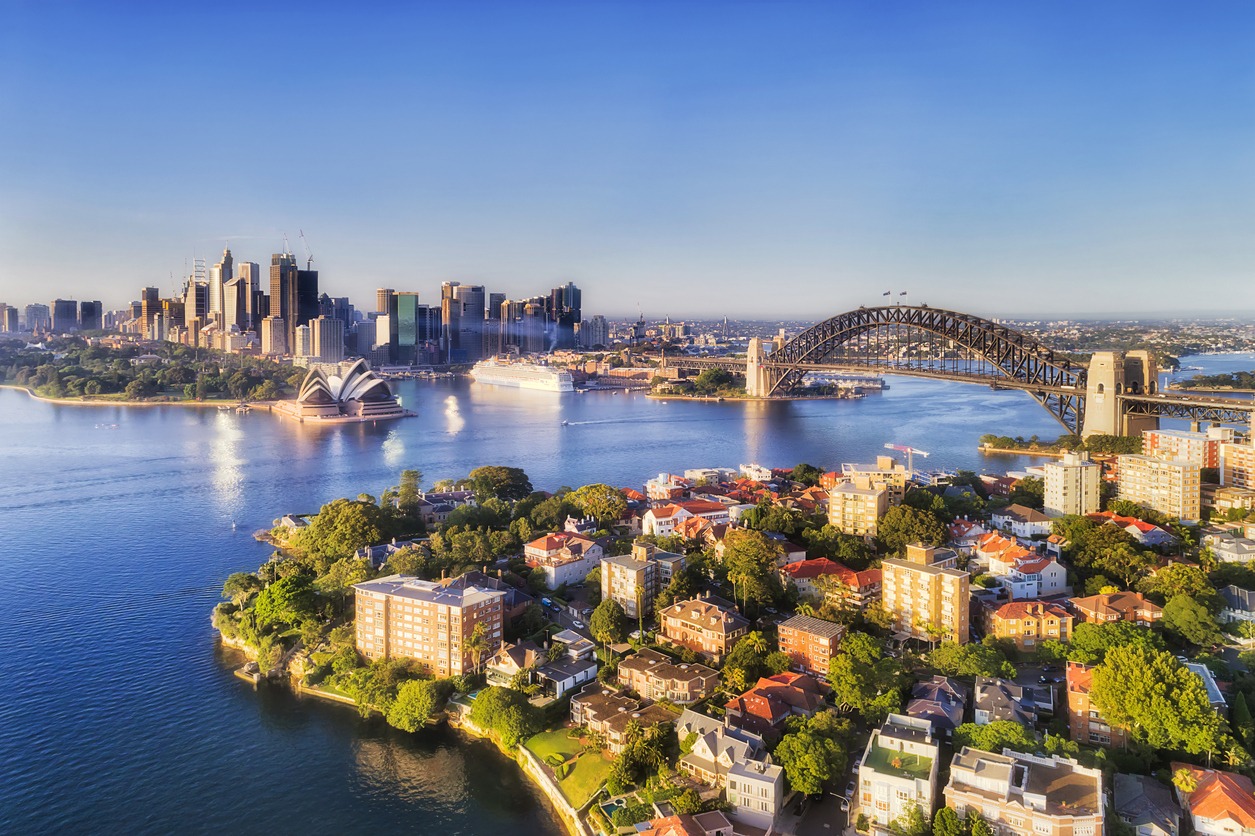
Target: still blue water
(119, 714)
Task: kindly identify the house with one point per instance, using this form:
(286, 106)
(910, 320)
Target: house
(378, 555)
(716, 748)
(1220, 803)
(1229, 547)
(1029, 623)
(563, 675)
(898, 771)
(964, 533)
(565, 558)
(1117, 606)
(999, 554)
(656, 676)
(511, 660)
(1002, 699)
(1026, 795)
(1040, 577)
(1146, 805)
(810, 643)
(1022, 521)
(1085, 724)
(1214, 695)
(1239, 604)
(816, 578)
(662, 520)
(707, 626)
(941, 701)
(701, 824)
(756, 792)
(667, 486)
(607, 712)
(515, 602)
(1143, 532)
(773, 699)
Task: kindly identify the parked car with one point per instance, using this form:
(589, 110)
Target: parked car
(578, 625)
(850, 789)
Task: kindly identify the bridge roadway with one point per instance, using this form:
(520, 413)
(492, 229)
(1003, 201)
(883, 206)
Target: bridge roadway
(1183, 407)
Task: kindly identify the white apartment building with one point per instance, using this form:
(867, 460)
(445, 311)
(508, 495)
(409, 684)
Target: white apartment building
(899, 770)
(1072, 485)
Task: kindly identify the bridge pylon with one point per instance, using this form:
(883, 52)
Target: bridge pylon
(1113, 374)
(759, 379)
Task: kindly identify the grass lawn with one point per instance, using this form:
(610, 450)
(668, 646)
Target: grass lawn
(586, 777)
(907, 766)
(554, 742)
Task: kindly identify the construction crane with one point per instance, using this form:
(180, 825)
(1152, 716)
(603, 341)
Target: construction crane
(309, 257)
(911, 453)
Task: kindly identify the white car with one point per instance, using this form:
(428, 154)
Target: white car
(579, 625)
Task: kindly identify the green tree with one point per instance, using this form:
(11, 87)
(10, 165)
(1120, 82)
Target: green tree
(607, 623)
(977, 826)
(746, 662)
(1029, 492)
(1191, 622)
(288, 600)
(806, 474)
(603, 503)
(416, 702)
(1241, 720)
(1160, 701)
(995, 736)
(1091, 641)
(341, 527)
(972, 659)
(477, 644)
(809, 761)
(687, 802)
(912, 822)
(750, 558)
(500, 482)
(864, 679)
(407, 492)
(241, 586)
(903, 525)
(947, 823)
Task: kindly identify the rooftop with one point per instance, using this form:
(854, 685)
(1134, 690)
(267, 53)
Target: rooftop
(448, 594)
(892, 762)
(814, 626)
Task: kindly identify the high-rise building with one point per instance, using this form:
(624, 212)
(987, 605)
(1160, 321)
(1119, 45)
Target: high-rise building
(236, 299)
(595, 332)
(8, 319)
(925, 595)
(64, 316)
(219, 275)
(382, 295)
(1169, 487)
(328, 339)
(90, 316)
(1072, 485)
(38, 317)
(431, 622)
(306, 303)
(250, 272)
(563, 311)
(856, 507)
(150, 305)
(403, 327)
(274, 336)
(302, 342)
(283, 293)
(533, 336)
(195, 299)
(1202, 448)
(492, 325)
(470, 340)
(1237, 464)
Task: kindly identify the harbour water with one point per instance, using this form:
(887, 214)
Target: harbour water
(119, 712)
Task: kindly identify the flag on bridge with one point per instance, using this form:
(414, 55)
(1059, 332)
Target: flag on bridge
(887, 293)
(903, 293)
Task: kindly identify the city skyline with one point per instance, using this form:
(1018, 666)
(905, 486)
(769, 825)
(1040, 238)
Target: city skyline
(979, 156)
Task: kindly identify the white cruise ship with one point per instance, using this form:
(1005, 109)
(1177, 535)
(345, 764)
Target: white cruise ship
(522, 375)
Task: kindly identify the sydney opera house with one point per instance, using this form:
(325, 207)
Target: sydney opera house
(357, 394)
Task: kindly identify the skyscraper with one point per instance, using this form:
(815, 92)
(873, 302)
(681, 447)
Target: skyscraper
(306, 302)
(303, 346)
(64, 316)
(403, 327)
(8, 319)
(219, 275)
(274, 336)
(328, 339)
(283, 293)
(250, 272)
(38, 317)
(564, 312)
(150, 305)
(90, 316)
(469, 337)
(382, 295)
(195, 299)
(236, 299)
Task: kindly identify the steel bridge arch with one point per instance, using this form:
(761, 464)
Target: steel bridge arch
(1024, 363)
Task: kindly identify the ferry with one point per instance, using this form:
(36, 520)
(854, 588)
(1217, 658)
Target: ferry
(521, 374)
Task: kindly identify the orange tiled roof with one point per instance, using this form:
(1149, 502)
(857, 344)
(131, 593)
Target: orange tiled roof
(1221, 795)
(1030, 609)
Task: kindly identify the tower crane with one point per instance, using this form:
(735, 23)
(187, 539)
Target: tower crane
(309, 257)
(911, 453)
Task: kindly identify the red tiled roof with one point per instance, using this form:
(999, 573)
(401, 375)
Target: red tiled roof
(1030, 609)
(698, 506)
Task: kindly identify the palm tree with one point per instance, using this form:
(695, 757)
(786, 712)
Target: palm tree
(477, 644)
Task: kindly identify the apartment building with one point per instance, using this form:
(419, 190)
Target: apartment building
(857, 508)
(925, 599)
(608, 712)
(704, 625)
(898, 771)
(1171, 487)
(1085, 724)
(1072, 485)
(404, 617)
(631, 580)
(756, 792)
(656, 676)
(1026, 795)
(1117, 606)
(810, 643)
(1237, 464)
(822, 579)
(1202, 448)
(1029, 623)
(887, 471)
(564, 557)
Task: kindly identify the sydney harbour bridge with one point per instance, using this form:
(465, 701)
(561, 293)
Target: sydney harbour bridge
(1115, 393)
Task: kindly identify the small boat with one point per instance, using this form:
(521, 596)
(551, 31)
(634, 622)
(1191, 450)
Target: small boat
(224, 409)
(566, 423)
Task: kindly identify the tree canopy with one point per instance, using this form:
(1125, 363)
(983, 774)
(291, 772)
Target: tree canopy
(603, 503)
(500, 482)
(864, 679)
(904, 525)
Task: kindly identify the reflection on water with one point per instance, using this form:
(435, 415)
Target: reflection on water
(453, 415)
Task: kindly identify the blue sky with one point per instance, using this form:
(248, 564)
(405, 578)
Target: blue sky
(739, 158)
